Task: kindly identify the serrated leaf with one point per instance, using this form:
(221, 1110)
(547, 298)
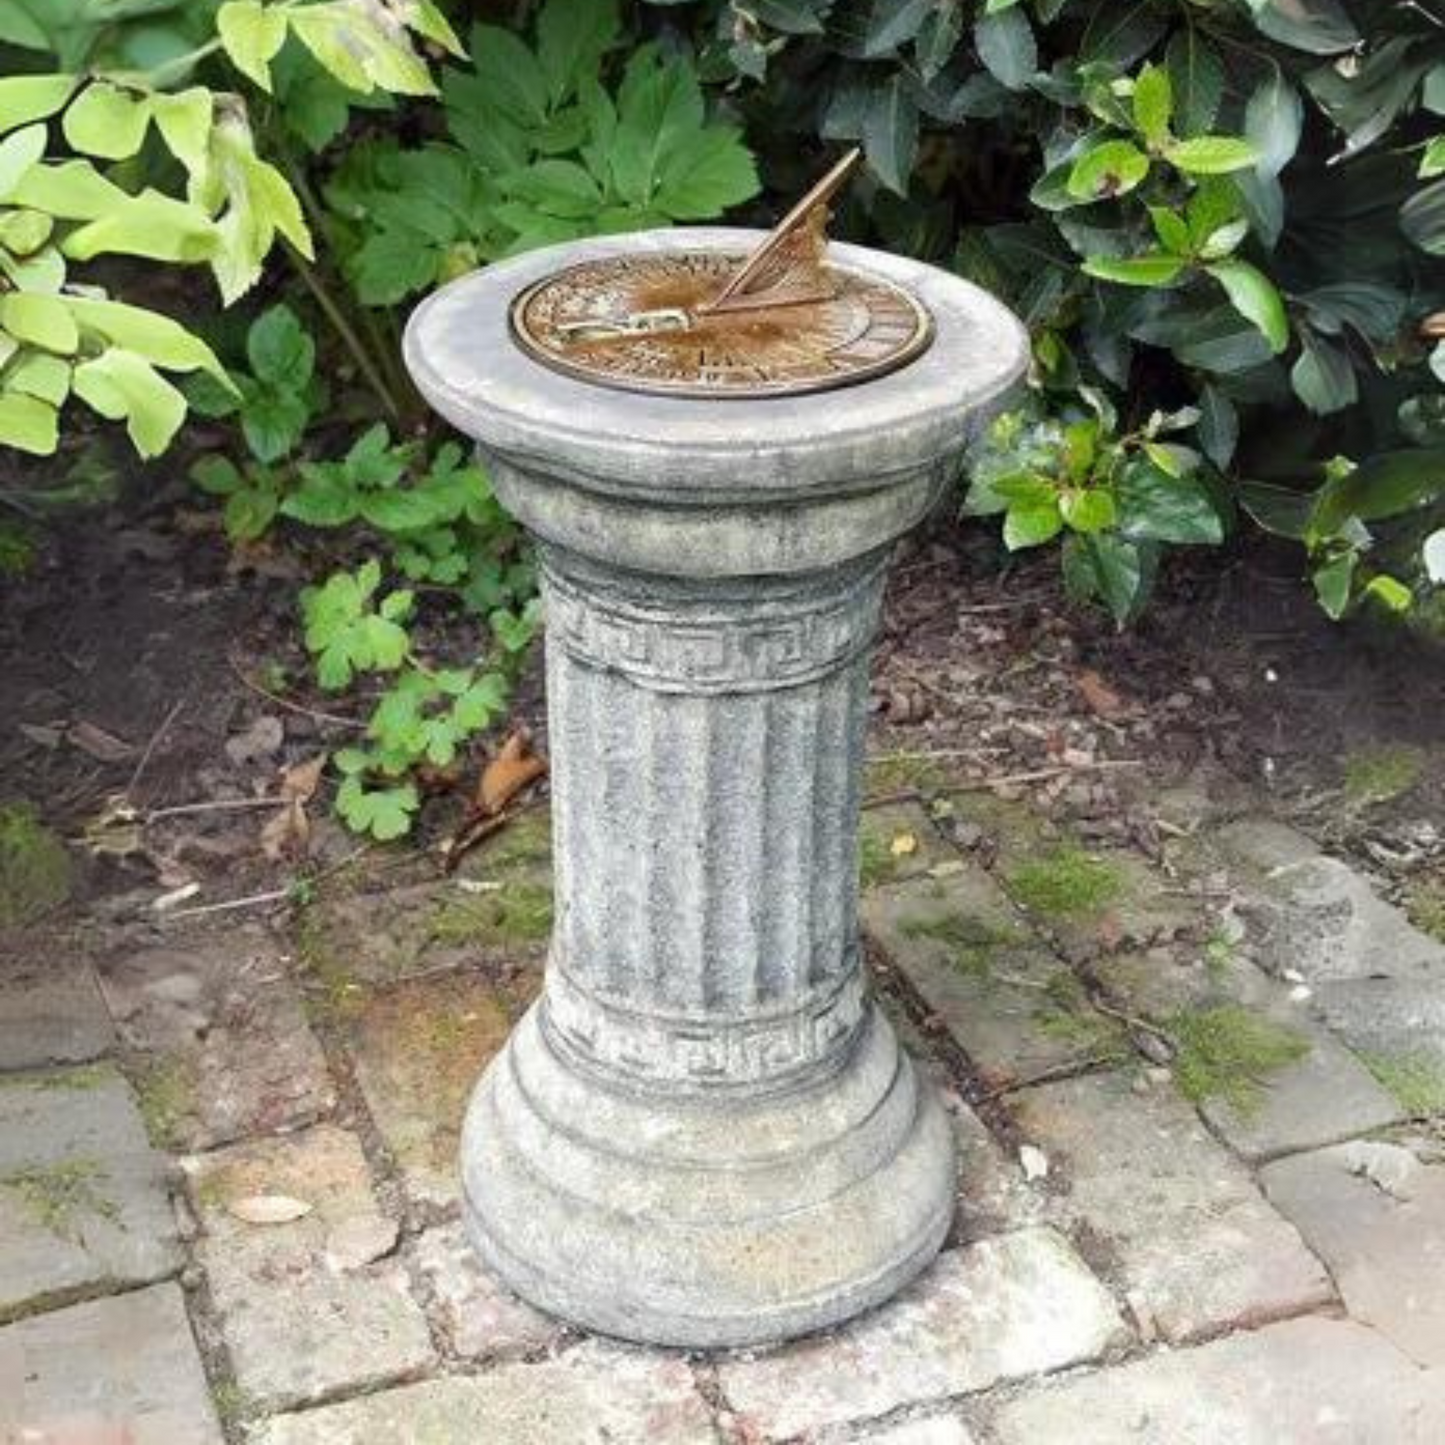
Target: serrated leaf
(216, 475)
(280, 349)
(249, 512)
(1255, 297)
(572, 36)
(705, 173)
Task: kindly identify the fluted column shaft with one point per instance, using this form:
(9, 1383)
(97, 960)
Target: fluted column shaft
(707, 741)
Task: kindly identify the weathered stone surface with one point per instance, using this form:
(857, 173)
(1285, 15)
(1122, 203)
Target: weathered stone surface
(480, 1317)
(121, 1369)
(993, 1195)
(1323, 1097)
(712, 585)
(1314, 915)
(998, 1310)
(1376, 1215)
(417, 1048)
(898, 843)
(50, 1009)
(300, 1319)
(1398, 1027)
(593, 1395)
(369, 931)
(230, 1052)
(1306, 1382)
(83, 1199)
(1010, 1003)
(936, 1430)
(1176, 1220)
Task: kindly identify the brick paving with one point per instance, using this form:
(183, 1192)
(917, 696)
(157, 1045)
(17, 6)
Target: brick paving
(227, 1211)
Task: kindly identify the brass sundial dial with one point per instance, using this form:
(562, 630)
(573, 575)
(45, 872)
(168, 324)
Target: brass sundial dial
(780, 321)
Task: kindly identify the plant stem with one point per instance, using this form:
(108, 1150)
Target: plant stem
(341, 323)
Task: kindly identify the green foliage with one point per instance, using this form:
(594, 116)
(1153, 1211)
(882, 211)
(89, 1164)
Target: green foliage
(1227, 1052)
(537, 151)
(1065, 882)
(1226, 208)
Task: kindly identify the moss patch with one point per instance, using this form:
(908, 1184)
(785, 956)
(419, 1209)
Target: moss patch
(970, 943)
(1425, 905)
(336, 994)
(517, 912)
(35, 874)
(57, 1195)
(900, 772)
(1226, 1052)
(1417, 1080)
(525, 843)
(1065, 881)
(1378, 774)
(165, 1093)
(1066, 1014)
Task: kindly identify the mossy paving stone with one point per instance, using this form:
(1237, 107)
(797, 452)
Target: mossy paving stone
(1011, 1004)
(418, 1049)
(1267, 1076)
(35, 869)
(50, 1008)
(315, 1305)
(223, 1046)
(1183, 1227)
(84, 1206)
(119, 1369)
(897, 842)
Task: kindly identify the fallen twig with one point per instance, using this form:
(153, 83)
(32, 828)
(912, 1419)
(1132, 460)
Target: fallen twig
(1041, 775)
(1048, 1076)
(296, 707)
(150, 747)
(214, 805)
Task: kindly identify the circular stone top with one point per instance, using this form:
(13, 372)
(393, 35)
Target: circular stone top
(466, 362)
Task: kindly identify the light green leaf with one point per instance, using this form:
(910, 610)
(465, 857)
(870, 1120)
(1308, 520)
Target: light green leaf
(431, 24)
(1088, 511)
(1171, 229)
(107, 121)
(123, 386)
(28, 424)
(71, 191)
(19, 153)
(1389, 592)
(41, 320)
(160, 340)
(337, 46)
(1255, 297)
(1153, 103)
(38, 374)
(23, 232)
(1111, 169)
(1032, 525)
(1155, 269)
(26, 98)
(1211, 155)
(149, 224)
(1332, 584)
(1432, 161)
(184, 121)
(252, 35)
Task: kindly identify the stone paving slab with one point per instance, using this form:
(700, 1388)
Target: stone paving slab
(117, 1371)
(84, 1205)
(1001, 1309)
(1303, 1382)
(1179, 1222)
(317, 1304)
(1011, 1005)
(938, 1430)
(50, 1008)
(1376, 1215)
(419, 1049)
(230, 1052)
(1323, 1097)
(1397, 1025)
(595, 1394)
(1314, 915)
(480, 1318)
(993, 1194)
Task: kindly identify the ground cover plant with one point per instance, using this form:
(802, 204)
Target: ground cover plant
(1222, 221)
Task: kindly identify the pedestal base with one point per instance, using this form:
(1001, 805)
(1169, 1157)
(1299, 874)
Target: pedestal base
(707, 1219)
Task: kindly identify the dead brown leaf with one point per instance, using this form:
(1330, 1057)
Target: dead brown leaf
(104, 747)
(287, 834)
(1100, 698)
(514, 768)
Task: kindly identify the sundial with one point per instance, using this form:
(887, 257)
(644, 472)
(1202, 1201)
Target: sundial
(779, 321)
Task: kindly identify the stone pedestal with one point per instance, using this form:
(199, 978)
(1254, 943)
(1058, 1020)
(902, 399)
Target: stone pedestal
(705, 1133)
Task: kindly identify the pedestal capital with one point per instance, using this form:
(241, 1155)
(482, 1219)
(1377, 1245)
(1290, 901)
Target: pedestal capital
(705, 487)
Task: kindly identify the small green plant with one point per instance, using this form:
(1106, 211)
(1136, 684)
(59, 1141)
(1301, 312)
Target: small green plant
(1417, 1080)
(58, 1196)
(1225, 1051)
(1064, 882)
(1377, 775)
(34, 867)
